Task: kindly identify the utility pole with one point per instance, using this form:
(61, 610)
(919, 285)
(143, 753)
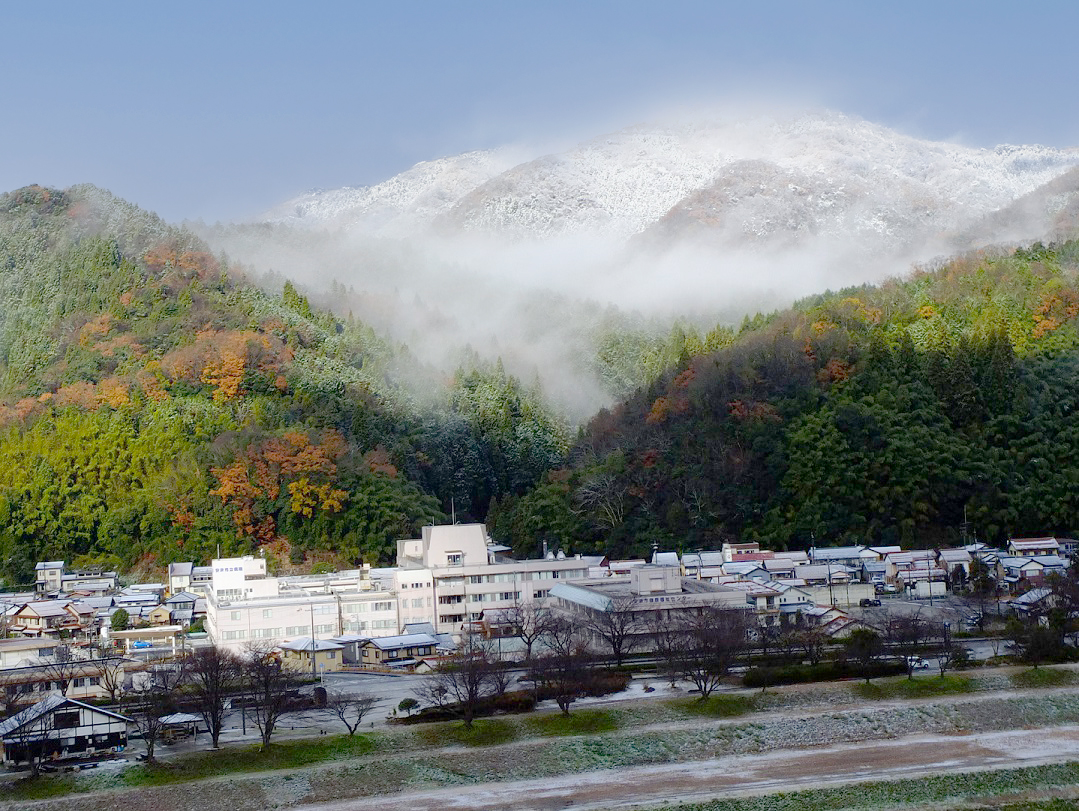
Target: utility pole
(314, 669)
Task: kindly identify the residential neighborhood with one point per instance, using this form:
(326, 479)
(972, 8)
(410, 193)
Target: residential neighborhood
(85, 636)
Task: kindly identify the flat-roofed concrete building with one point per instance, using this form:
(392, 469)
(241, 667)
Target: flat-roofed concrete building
(268, 611)
(451, 575)
(651, 594)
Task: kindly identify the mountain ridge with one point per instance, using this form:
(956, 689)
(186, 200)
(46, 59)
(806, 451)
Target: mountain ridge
(626, 183)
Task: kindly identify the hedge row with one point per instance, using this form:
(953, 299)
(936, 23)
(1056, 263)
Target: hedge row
(824, 671)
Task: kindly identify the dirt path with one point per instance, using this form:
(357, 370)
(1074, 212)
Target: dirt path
(784, 770)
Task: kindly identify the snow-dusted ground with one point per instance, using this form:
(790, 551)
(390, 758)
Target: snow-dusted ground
(803, 737)
(783, 770)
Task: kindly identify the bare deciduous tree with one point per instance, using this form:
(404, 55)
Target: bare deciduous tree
(268, 685)
(147, 708)
(950, 654)
(906, 635)
(63, 668)
(605, 497)
(712, 642)
(112, 670)
(213, 674)
(529, 619)
(350, 710)
(812, 641)
(467, 677)
(565, 664)
(666, 634)
(617, 626)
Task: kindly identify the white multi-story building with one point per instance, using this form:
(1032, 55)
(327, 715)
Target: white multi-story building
(245, 607)
(452, 575)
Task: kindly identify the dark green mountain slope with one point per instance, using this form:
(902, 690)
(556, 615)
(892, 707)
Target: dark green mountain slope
(879, 414)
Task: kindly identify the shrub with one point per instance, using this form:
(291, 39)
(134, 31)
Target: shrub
(825, 671)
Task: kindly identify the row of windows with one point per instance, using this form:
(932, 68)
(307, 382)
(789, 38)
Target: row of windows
(490, 598)
(510, 577)
(505, 577)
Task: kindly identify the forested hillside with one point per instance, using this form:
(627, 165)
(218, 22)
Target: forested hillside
(880, 414)
(154, 406)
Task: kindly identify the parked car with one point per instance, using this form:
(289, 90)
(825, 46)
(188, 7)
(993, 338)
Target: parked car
(972, 621)
(867, 602)
(142, 643)
(917, 663)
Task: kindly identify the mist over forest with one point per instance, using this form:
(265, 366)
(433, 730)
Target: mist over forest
(545, 261)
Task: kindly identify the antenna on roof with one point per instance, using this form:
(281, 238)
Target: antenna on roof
(453, 513)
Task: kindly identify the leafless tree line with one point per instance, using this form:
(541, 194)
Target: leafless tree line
(561, 653)
(213, 680)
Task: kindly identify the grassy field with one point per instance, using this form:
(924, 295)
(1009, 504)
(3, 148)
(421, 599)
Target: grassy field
(716, 706)
(1045, 677)
(918, 687)
(483, 732)
(582, 722)
(288, 754)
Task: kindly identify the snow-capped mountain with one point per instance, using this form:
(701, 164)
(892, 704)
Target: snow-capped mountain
(394, 208)
(755, 183)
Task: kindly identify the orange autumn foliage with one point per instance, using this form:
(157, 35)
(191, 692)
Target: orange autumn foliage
(835, 371)
(378, 461)
(660, 409)
(305, 469)
(113, 392)
(1054, 309)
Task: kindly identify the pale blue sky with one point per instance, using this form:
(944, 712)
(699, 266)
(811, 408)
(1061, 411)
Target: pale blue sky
(220, 109)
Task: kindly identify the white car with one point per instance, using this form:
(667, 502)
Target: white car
(917, 663)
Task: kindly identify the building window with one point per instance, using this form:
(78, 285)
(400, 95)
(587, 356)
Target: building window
(454, 558)
(66, 720)
(382, 607)
(267, 613)
(234, 616)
